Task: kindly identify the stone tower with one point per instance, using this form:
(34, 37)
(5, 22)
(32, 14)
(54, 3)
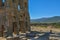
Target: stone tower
(14, 17)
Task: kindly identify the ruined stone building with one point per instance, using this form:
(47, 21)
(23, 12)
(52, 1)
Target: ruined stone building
(14, 17)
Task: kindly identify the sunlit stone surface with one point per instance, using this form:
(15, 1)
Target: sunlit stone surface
(14, 18)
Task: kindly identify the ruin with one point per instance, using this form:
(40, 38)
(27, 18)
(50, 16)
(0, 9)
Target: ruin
(14, 17)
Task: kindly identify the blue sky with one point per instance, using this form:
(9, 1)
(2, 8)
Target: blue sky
(44, 8)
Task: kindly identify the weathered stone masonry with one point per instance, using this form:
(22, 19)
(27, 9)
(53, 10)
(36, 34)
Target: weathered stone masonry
(12, 18)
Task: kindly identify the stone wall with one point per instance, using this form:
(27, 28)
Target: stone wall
(12, 20)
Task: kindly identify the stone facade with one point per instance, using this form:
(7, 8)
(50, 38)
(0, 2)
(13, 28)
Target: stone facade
(14, 17)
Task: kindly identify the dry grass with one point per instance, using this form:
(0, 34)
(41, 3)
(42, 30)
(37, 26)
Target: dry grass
(44, 29)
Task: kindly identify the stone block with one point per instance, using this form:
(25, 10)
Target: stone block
(16, 38)
(10, 38)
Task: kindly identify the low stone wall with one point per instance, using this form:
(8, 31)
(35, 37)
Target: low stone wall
(15, 38)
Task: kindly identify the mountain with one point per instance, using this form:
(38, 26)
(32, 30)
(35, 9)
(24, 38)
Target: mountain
(54, 19)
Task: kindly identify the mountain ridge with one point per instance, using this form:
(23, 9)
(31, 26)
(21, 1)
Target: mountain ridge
(47, 20)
